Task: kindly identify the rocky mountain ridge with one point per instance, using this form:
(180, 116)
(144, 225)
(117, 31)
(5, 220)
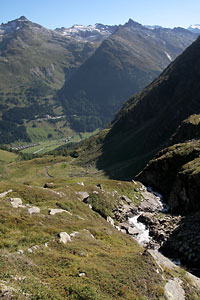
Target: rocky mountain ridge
(124, 63)
(90, 33)
(35, 62)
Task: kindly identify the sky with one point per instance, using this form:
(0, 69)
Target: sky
(65, 13)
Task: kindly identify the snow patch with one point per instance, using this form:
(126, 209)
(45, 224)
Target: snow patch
(168, 56)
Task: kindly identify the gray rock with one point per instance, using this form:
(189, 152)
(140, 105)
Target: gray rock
(174, 290)
(95, 192)
(5, 193)
(33, 248)
(49, 185)
(20, 252)
(74, 234)
(111, 221)
(81, 183)
(16, 202)
(81, 274)
(133, 231)
(83, 196)
(64, 237)
(151, 202)
(54, 211)
(125, 198)
(34, 210)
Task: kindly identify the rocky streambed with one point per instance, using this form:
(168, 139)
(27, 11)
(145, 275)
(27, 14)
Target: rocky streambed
(151, 224)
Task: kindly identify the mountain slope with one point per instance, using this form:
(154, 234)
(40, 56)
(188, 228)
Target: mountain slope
(124, 63)
(148, 120)
(34, 62)
(194, 28)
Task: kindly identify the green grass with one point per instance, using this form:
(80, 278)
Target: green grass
(48, 144)
(114, 266)
(112, 262)
(6, 156)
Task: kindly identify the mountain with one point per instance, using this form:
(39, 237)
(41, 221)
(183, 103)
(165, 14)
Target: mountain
(91, 33)
(34, 62)
(148, 120)
(194, 28)
(123, 64)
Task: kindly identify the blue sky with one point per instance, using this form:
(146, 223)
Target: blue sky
(58, 13)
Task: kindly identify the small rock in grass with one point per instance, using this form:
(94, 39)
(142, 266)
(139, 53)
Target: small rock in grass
(16, 202)
(99, 186)
(110, 220)
(49, 185)
(74, 234)
(20, 252)
(54, 211)
(64, 237)
(34, 210)
(81, 183)
(5, 193)
(33, 248)
(81, 274)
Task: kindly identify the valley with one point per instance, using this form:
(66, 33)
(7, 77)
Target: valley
(99, 162)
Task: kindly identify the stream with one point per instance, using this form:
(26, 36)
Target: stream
(154, 204)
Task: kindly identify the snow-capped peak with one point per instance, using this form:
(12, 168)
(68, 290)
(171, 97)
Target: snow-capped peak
(194, 28)
(87, 33)
(12, 26)
(197, 26)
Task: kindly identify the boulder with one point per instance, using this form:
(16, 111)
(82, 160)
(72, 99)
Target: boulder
(133, 231)
(34, 210)
(64, 237)
(16, 202)
(83, 196)
(54, 211)
(49, 185)
(151, 202)
(174, 289)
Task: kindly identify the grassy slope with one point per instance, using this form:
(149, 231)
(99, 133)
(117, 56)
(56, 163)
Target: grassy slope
(7, 157)
(114, 266)
(113, 263)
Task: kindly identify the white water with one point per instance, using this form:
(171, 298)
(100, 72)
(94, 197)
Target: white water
(143, 233)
